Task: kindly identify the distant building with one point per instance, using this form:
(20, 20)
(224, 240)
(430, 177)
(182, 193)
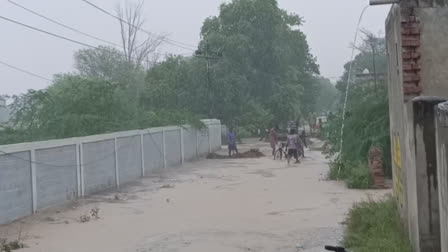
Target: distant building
(366, 77)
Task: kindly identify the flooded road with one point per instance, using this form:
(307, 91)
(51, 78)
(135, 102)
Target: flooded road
(209, 205)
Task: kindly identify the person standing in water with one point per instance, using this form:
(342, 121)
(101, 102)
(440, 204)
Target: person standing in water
(273, 139)
(294, 145)
(304, 144)
(231, 137)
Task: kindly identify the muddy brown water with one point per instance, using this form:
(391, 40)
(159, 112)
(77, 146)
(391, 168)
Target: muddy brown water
(211, 205)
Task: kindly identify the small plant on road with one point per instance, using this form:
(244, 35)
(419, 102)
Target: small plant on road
(84, 218)
(95, 212)
(8, 246)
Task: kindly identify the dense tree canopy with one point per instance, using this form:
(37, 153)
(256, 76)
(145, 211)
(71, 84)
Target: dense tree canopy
(253, 69)
(264, 68)
(265, 50)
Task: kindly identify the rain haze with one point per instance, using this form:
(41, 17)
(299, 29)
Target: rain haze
(329, 26)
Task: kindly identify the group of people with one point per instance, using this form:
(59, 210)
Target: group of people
(295, 144)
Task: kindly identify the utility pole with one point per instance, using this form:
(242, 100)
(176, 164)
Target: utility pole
(208, 55)
(374, 67)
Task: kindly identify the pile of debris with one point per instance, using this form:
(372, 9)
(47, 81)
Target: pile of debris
(376, 168)
(252, 153)
(8, 246)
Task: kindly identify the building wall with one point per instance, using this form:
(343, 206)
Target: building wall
(442, 166)
(399, 125)
(35, 176)
(418, 59)
(434, 50)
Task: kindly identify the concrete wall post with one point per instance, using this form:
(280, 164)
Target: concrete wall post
(78, 170)
(209, 139)
(164, 148)
(81, 171)
(117, 174)
(33, 179)
(142, 154)
(197, 143)
(182, 147)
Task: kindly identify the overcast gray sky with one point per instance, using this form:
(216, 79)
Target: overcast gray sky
(330, 26)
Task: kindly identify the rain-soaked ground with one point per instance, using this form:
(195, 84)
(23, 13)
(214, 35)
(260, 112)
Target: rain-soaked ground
(210, 205)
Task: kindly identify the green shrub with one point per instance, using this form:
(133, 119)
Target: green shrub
(242, 133)
(355, 174)
(366, 126)
(359, 177)
(376, 227)
(335, 168)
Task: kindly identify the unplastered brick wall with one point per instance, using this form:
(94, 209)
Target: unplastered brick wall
(410, 34)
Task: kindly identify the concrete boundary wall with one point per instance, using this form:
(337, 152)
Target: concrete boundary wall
(39, 175)
(442, 172)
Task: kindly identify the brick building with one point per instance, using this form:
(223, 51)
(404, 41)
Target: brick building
(416, 34)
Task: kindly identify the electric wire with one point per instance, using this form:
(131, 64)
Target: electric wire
(169, 41)
(24, 71)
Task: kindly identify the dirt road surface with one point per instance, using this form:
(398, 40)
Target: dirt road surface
(209, 205)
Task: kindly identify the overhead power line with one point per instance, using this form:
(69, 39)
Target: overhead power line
(24, 71)
(169, 41)
(47, 32)
(63, 25)
(65, 38)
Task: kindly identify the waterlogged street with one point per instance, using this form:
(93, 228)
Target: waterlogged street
(208, 205)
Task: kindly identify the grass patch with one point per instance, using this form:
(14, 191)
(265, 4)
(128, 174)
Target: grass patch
(376, 227)
(355, 174)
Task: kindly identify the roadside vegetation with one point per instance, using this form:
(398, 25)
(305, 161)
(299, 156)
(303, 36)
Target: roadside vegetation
(366, 121)
(375, 227)
(250, 71)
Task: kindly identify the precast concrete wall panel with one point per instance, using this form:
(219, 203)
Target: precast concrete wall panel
(99, 166)
(129, 159)
(56, 175)
(15, 186)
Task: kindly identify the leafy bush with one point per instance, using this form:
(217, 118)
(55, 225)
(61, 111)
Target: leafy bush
(375, 227)
(366, 126)
(355, 174)
(366, 123)
(242, 133)
(359, 177)
(9, 136)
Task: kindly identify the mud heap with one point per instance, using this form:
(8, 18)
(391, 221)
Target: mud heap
(252, 153)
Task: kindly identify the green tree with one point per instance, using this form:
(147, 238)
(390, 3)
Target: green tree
(367, 117)
(266, 57)
(327, 96)
(266, 75)
(72, 106)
